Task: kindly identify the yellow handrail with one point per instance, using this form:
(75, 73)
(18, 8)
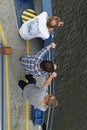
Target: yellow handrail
(7, 79)
(3, 36)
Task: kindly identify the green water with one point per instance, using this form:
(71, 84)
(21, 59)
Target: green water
(71, 58)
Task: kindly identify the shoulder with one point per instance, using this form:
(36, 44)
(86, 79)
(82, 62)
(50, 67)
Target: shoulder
(43, 107)
(44, 88)
(44, 14)
(46, 35)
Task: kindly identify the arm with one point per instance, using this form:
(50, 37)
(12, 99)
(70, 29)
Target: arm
(52, 45)
(43, 51)
(51, 30)
(49, 79)
(61, 24)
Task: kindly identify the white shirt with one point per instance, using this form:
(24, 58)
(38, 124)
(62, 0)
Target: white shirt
(35, 27)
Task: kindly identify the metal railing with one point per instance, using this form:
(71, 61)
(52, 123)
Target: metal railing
(52, 90)
(50, 116)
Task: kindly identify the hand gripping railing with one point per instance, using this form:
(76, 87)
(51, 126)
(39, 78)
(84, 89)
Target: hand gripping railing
(3, 81)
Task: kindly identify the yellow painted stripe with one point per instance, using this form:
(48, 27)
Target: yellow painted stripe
(7, 86)
(23, 21)
(27, 104)
(33, 11)
(29, 14)
(24, 17)
(27, 115)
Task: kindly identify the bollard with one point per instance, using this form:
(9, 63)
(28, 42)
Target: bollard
(7, 50)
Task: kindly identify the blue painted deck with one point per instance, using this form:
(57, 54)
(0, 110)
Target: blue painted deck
(20, 6)
(47, 6)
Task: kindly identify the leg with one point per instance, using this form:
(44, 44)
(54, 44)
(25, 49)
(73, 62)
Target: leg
(44, 126)
(32, 81)
(28, 77)
(20, 58)
(22, 84)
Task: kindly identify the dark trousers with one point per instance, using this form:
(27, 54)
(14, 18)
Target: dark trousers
(30, 79)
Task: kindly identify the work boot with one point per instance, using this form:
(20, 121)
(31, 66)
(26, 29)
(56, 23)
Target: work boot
(28, 76)
(22, 84)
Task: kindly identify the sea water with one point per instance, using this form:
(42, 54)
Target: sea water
(71, 58)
